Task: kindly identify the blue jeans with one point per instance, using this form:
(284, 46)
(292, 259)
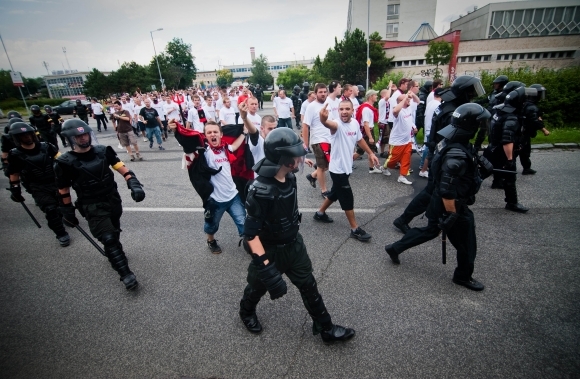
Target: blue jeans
(157, 132)
(424, 155)
(234, 207)
(285, 122)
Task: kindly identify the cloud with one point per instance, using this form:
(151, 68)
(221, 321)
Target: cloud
(17, 11)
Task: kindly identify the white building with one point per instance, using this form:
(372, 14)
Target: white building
(395, 20)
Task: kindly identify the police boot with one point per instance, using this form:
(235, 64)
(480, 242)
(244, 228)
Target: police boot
(511, 199)
(337, 333)
(401, 225)
(248, 309)
(118, 260)
(322, 322)
(54, 221)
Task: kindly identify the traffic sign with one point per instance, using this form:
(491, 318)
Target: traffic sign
(16, 79)
(369, 62)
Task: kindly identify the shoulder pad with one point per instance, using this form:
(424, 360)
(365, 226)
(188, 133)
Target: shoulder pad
(66, 158)
(263, 190)
(454, 165)
(100, 150)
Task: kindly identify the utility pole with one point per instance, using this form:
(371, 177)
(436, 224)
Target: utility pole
(46, 67)
(12, 68)
(65, 57)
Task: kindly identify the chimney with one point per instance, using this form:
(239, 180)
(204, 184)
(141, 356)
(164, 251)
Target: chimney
(253, 53)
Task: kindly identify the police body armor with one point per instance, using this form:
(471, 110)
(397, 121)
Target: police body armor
(281, 224)
(492, 101)
(42, 123)
(441, 118)
(7, 143)
(56, 119)
(503, 129)
(530, 121)
(38, 168)
(296, 102)
(81, 110)
(93, 180)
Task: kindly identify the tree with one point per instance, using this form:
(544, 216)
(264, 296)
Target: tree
(379, 61)
(179, 56)
(130, 77)
(293, 76)
(438, 53)
(97, 84)
(260, 74)
(224, 77)
(347, 60)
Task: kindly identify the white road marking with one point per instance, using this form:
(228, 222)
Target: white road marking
(201, 210)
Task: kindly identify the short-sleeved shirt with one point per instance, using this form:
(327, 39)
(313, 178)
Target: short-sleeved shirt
(429, 111)
(97, 109)
(368, 116)
(256, 144)
(283, 107)
(193, 118)
(318, 132)
(224, 188)
(124, 126)
(209, 111)
(333, 108)
(393, 104)
(228, 115)
(383, 111)
(402, 126)
(256, 120)
(171, 110)
(343, 142)
(150, 115)
(304, 107)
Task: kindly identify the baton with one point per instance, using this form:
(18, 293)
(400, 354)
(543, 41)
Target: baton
(90, 239)
(30, 214)
(443, 247)
(504, 171)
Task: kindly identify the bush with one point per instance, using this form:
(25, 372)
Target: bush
(383, 82)
(560, 107)
(8, 105)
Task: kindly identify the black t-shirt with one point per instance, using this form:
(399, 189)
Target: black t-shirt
(150, 115)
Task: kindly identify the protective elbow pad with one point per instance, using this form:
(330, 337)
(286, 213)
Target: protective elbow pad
(510, 128)
(484, 166)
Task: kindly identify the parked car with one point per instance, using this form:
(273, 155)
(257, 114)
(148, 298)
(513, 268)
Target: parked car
(67, 106)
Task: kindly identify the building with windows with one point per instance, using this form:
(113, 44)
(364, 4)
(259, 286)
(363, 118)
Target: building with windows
(394, 20)
(66, 84)
(517, 33)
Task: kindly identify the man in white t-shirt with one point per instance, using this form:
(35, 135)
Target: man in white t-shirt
(284, 109)
(401, 136)
(171, 109)
(333, 99)
(257, 135)
(401, 89)
(227, 116)
(219, 103)
(157, 104)
(252, 111)
(437, 83)
(354, 98)
(209, 109)
(234, 104)
(429, 111)
(317, 136)
(384, 128)
(193, 121)
(346, 134)
(141, 127)
(98, 114)
(310, 99)
(368, 115)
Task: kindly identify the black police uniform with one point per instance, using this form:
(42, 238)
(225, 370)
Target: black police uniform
(531, 124)
(57, 121)
(82, 112)
(420, 114)
(296, 103)
(43, 123)
(35, 168)
(272, 215)
(259, 93)
(457, 171)
(98, 200)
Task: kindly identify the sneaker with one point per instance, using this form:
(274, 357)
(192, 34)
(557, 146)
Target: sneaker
(325, 194)
(516, 207)
(403, 180)
(214, 247)
(311, 180)
(151, 145)
(337, 334)
(130, 281)
(145, 139)
(64, 240)
(323, 218)
(139, 157)
(424, 174)
(384, 154)
(360, 235)
(161, 147)
(375, 170)
(386, 172)
(401, 225)
(119, 147)
(132, 159)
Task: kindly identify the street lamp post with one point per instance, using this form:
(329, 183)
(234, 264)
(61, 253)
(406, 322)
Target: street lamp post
(157, 60)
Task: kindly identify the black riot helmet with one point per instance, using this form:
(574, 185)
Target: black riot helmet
(78, 102)
(22, 132)
(281, 147)
(515, 99)
(296, 89)
(13, 114)
(428, 86)
(509, 87)
(48, 109)
(73, 128)
(467, 119)
(541, 95)
(10, 122)
(502, 80)
(306, 86)
(360, 88)
(281, 86)
(464, 89)
(35, 109)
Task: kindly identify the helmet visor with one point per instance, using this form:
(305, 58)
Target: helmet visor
(478, 88)
(82, 140)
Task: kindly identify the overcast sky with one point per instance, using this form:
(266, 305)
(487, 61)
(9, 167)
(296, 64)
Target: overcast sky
(104, 32)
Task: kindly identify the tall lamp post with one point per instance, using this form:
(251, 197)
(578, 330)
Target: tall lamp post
(157, 60)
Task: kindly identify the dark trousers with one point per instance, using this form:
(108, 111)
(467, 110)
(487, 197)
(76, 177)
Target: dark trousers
(462, 237)
(419, 204)
(101, 118)
(45, 196)
(498, 159)
(525, 152)
(285, 122)
(261, 103)
(103, 216)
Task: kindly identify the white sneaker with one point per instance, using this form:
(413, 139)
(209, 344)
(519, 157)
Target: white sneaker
(145, 139)
(386, 172)
(424, 174)
(375, 170)
(121, 147)
(403, 180)
(410, 170)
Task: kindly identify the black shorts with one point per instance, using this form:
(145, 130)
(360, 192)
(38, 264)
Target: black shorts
(341, 191)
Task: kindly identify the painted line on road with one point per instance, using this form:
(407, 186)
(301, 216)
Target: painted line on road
(201, 210)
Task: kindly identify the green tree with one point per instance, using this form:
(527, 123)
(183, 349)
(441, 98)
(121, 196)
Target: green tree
(438, 54)
(224, 77)
(179, 56)
(129, 78)
(97, 84)
(383, 82)
(260, 74)
(347, 60)
(293, 76)
(379, 61)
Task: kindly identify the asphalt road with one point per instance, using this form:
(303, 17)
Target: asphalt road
(64, 313)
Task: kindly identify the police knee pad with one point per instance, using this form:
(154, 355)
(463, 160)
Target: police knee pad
(310, 288)
(110, 240)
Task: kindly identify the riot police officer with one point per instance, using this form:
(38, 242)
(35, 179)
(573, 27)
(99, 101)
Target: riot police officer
(57, 121)
(7, 142)
(297, 104)
(361, 94)
(271, 237)
(32, 163)
(424, 92)
(503, 148)
(86, 169)
(490, 102)
(457, 171)
(462, 91)
(304, 92)
(82, 111)
(43, 123)
(259, 93)
(531, 124)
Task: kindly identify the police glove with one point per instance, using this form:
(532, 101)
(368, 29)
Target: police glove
(272, 279)
(68, 215)
(446, 222)
(137, 192)
(16, 194)
(510, 165)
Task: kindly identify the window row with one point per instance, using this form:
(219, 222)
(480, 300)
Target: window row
(413, 62)
(547, 55)
(475, 58)
(535, 22)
